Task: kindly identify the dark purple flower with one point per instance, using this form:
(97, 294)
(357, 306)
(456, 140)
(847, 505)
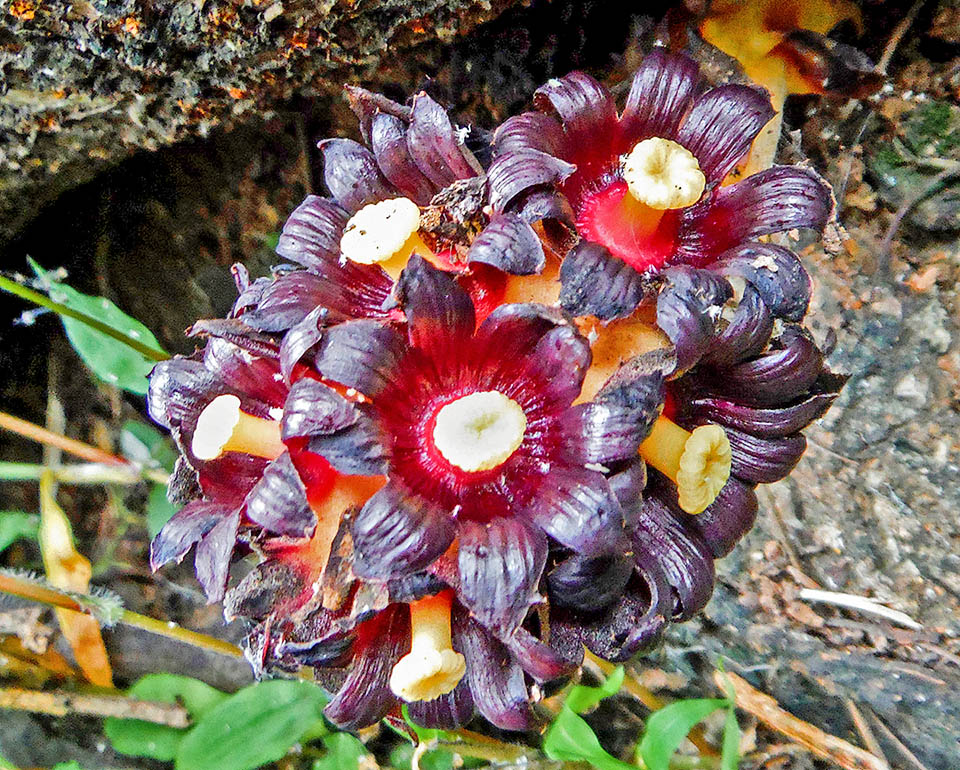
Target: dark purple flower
(644, 186)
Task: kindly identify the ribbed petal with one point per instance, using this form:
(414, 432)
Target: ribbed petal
(313, 409)
(360, 355)
(433, 144)
(511, 331)
(541, 203)
(439, 312)
(300, 339)
(628, 486)
(599, 432)
(688, 309)
(279, 501)
(186, 527)
(516, 172)
(311, 235)
(728, 518)
(212, 560)
(775, 422)
(495, 679)
(530, 131)
(660, 95)
(780, 375)
(678, 551)
(397, 533)
(589, 583)
(509, 244)
(775, 272)
(388, 139)
(230, 477)
(721, 126)
(541, 661)
(448, 712)
(585, 107)
(594, 282)
(560, 361)
(179, 389)
(351, 174)
(365, 697)
(361, 449)
(255, 379)
(576, 508)
(287, 301)
(237, 332)
(764, 460)
(746, 333)
(500, 563)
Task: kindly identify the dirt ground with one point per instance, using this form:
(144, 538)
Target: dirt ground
(871, 511)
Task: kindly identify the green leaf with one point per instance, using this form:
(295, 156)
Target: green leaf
(108, 358)
(145, 739)
(730, 754)
(257, 725)
(71, 765)
(16, 525)
(667, 727)
(570, 738)
(159, 509)
(144, 444)
(343, 753)
(582, 698)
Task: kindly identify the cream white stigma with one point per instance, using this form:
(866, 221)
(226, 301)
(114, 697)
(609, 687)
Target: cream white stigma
(432, 667)
(224, 427)
(663, 174)
(480, 431)
(384, 233)
(704, 468)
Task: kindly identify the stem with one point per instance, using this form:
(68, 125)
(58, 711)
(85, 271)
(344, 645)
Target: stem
(36, 592)
(64, 703)
(44, 436)
(60, 309)
(83, 473)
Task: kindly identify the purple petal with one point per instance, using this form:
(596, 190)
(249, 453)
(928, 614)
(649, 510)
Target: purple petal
(397, 532)
(279, 501)
(365, 697)
(433, 144)
(530, 131)
(179, 389)
(544, 204)
(594, 282)
(510, 244)
(186, 527)
(212, 560)
(774, 422)
(495, 679)
(516, 172)
(780, 375)
(776, 273)
(746, 334)
(448, 712)
(585, 108)
(500, 563)
(360, 355)
(439, 311)
(366, 105)
(577, 508)
(360, 449)
(628, 486)
(728, 518)
(311, 235)
(688, 308)
(511, 331)
(764, 460)
(287, 301)
(686, 561)
(255, 379)
(313, 409)
(541, 661)
(351, 174)
(560, 360)
(299, 340)
(599, 432)
(660, 94)
(231, 476)
(388, 139)
(721, 126)
(589, 583)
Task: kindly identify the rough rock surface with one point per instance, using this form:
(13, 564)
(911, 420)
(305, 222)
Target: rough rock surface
(87, 82)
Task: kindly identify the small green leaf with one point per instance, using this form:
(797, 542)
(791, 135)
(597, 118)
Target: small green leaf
(730, 754)
(16, 525)
(159, 509)
(582, 698)
(257, 725)
(145, 739)
(144, 444)
(667, 727)
(108, 358)
(343, 753)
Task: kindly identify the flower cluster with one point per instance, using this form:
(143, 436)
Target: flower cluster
(510, 394)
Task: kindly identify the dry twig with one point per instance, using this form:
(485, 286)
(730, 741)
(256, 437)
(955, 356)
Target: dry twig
(63, 703)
